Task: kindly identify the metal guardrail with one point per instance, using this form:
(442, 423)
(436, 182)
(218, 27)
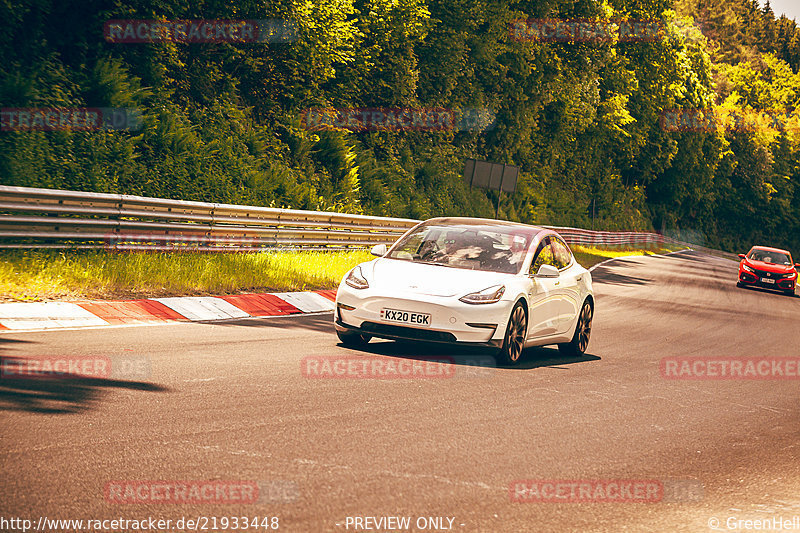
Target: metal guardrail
(51, 218)
(587, 237)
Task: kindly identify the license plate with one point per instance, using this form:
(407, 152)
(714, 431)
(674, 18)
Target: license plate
(406, 317)
(767, 280)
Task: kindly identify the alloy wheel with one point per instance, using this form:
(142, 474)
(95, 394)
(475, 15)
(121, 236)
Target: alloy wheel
(584, 327)
(515, 335)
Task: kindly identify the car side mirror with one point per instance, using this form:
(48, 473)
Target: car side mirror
(379, 250)
(547, 271)
(797, 265)
(742, 256)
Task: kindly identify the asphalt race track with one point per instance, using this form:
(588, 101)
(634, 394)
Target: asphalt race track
(233, 401)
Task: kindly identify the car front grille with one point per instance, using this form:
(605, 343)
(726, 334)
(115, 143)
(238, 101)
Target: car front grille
(407, 333)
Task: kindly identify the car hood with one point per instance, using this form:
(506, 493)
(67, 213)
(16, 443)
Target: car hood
(769, 267)
(433, 280)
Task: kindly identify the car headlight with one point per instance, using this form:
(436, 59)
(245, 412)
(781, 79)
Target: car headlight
(486, 296)
(747, 268)
(790, 275)
(356, 279)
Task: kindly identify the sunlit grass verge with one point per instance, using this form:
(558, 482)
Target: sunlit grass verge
(33, 275)
(588, 256)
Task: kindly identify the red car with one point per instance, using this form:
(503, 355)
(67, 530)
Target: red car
(771, 268)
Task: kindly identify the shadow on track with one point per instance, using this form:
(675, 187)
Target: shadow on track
(56, 394)
(535, 357)
(606, 274)
(699, 264)
(768, 291)
(322, 323)
(690, 255)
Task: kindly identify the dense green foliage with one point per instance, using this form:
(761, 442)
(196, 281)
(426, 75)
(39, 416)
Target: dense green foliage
(222, 122)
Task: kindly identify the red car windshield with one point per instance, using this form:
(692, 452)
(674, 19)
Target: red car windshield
(766, 256)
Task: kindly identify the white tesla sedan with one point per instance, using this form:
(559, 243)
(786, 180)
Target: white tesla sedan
(473, 281)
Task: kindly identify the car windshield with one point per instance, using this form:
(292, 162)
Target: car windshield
(767, 256)
(475, 247)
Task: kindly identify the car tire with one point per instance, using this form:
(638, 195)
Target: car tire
(740, 284)
(351, 339)
(514, 339)
(789, 293)
(583, 331)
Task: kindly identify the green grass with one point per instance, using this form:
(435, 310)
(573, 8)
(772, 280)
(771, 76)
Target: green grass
(50, 275)
(33, 275)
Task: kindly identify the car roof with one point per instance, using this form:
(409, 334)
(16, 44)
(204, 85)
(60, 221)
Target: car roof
(768, 249)
(469, 221)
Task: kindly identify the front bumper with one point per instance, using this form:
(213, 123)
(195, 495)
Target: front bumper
(781, 284)
(405, 333)
(452, 321)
